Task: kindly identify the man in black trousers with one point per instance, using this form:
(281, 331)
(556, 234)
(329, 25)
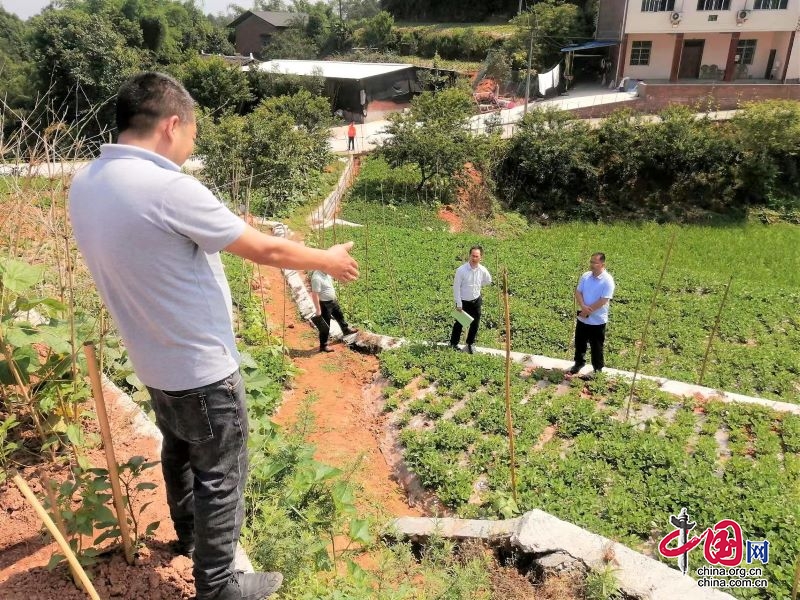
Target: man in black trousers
(594, 292)
(467, 283)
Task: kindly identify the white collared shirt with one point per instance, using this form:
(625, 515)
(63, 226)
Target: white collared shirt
(468, 282)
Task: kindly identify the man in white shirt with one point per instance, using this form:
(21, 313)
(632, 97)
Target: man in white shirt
(467, 283)
(151, 237)
(595, 290)
(323, 294)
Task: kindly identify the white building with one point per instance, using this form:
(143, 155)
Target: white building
(703, 41)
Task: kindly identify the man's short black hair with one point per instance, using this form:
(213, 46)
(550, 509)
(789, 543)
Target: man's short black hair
(601, 256)
(479, 248)
(147, 98)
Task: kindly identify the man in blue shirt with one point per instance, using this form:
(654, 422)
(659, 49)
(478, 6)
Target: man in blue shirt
(595, 290)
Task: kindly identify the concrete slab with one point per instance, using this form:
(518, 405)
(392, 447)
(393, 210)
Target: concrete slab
(638, 575)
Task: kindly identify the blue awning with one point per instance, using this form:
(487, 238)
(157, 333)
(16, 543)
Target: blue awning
(590, 45)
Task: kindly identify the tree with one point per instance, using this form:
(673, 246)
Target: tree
(377, 31)
(82, 60)
(16, 97)
(434, 135)
(291, 43)
(552, 26)
(281, 148)
(265, 84)
(354, 10)
(215, 85)
(497, 67)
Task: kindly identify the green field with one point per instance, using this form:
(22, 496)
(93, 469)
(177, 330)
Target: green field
(408, 258)
(577, 457)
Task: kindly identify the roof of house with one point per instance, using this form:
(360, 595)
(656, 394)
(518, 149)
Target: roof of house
(277, 19)
(332, 69)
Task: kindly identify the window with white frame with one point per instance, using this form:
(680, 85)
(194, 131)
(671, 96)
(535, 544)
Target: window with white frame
(770, 4)
(658, 5)
(746, 51)
(640, 53)
(713, 4)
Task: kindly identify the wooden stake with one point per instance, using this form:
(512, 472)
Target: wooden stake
(74, 565)
(105, 430)
(643, 339)
(509, 418)
(714, 332)
(59, 522)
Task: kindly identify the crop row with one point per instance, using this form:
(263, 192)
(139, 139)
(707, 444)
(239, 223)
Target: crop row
(578, 458)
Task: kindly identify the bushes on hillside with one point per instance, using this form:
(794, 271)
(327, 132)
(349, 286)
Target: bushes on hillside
(271, 157)
(678, 168)
(452, 44)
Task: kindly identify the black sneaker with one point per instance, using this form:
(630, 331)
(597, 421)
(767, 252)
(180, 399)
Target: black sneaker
(573, 370)
(350, 331)
(326, 349)
(470, 348)
(454, 347)
(250, 586)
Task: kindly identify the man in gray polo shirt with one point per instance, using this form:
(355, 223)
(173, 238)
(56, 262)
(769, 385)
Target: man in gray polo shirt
(151, 237)
(595, 290)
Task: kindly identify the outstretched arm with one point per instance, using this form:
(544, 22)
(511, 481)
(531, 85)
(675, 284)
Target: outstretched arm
(278, 252)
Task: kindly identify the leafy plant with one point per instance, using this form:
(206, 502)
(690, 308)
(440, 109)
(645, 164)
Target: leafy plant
(602, 584)
(91, 517)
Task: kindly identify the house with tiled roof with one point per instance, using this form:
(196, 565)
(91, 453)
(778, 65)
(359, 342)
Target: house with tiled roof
(254, 28)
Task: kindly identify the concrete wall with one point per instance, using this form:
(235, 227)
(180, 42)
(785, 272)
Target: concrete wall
(693, 20)
(715, 52)
(249, 35)
(660, 57)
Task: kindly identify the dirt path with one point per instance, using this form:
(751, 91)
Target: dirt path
(348, 424)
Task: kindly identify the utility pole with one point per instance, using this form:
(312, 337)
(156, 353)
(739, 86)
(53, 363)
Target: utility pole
(528, 75)
(340, 10)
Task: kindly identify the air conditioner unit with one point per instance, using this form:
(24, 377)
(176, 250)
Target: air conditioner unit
(742, 15)
(675, 17)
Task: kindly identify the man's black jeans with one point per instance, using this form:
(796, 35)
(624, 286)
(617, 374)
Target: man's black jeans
(204, 460)
(473, 309)
(595, 337)
(330, 309)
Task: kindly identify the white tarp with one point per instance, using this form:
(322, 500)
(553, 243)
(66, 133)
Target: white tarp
(331, 68)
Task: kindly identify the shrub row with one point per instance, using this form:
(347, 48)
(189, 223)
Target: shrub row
(677, 168)
(452, 44)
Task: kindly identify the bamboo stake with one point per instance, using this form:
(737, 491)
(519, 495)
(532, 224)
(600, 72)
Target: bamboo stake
(509, 419)
(75, 566)
(643, 339)
(714, 332)
(366, 257)
(59, 522)
(105, 429)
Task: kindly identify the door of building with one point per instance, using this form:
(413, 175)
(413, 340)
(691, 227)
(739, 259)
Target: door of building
(691, 58)
(770, 64)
